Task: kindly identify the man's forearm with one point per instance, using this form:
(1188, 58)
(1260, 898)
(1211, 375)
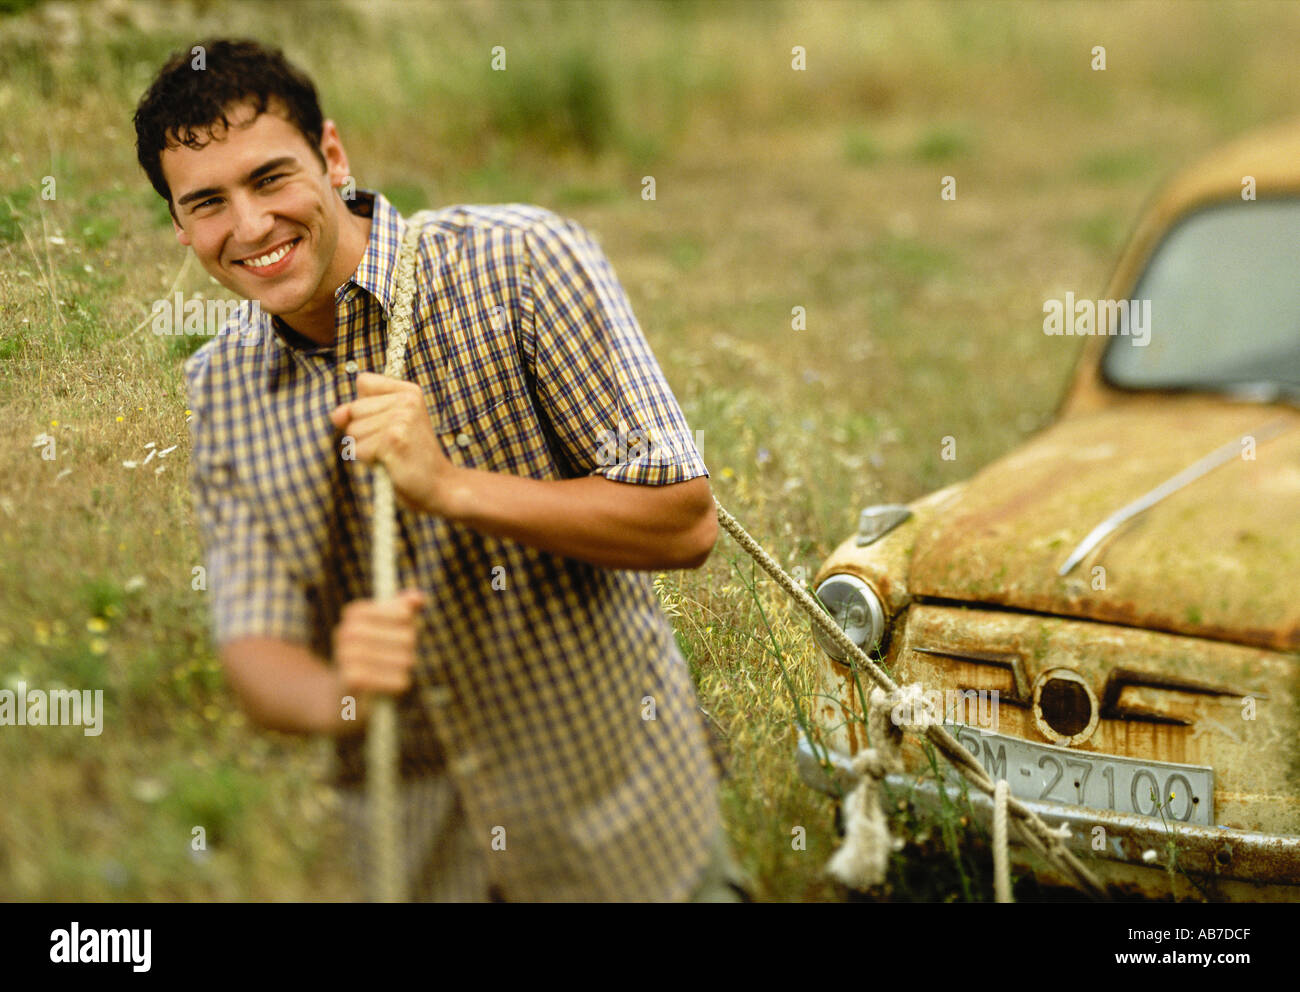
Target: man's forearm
(611, 524)
(285, 686)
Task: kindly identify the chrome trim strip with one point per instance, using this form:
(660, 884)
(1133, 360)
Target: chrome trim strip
(876, 521)
(1220, 456)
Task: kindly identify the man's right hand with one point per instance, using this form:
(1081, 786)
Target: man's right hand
(374, 643)
(283, 685)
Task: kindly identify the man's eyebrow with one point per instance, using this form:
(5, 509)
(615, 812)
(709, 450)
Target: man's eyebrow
(271, 166)
(252, 177)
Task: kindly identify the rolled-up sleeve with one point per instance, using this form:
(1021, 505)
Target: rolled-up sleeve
(602, 389)
(250, 589)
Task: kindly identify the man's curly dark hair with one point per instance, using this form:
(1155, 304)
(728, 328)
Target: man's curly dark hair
(198, 85)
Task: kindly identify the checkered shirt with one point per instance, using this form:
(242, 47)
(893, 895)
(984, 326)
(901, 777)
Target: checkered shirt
(552, 691)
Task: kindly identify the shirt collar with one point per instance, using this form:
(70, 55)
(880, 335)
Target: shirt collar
(376, 273)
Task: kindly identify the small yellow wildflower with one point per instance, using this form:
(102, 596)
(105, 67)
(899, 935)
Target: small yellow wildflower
(97, 625)
(120, 418)
(98, 646)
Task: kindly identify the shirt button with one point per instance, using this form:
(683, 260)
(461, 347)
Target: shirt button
(351, 366)
(462, 440)
(465, 764)
(439, 695)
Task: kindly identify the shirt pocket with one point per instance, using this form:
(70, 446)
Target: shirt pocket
(480, 436)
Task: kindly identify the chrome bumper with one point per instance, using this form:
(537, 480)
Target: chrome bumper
(1217, 852)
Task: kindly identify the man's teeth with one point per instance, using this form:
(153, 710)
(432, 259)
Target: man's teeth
(271, 259)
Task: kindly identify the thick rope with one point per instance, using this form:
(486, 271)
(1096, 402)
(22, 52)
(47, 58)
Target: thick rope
(1044, 841)
(863, 858)
(381, 733)
(1001, 859)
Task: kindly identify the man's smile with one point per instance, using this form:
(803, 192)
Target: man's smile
(272, 262)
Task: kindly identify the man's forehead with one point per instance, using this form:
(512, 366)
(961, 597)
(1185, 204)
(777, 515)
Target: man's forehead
(249, 139)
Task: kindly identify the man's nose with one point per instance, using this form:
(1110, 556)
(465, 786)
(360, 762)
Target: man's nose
(253, 222)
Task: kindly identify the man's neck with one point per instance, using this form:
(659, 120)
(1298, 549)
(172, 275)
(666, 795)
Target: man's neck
(318, 321)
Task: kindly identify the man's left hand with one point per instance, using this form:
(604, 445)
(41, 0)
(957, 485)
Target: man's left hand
(389, 423)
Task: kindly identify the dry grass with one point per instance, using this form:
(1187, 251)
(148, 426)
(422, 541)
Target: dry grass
(775, 189)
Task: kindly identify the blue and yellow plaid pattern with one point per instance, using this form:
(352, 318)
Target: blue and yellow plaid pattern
(534, 669)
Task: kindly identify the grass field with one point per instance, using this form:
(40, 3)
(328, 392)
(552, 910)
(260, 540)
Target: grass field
(775, 188)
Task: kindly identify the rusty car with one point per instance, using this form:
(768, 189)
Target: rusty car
(1125, 585)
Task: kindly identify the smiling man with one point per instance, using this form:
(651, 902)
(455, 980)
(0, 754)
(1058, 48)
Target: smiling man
(550, 744)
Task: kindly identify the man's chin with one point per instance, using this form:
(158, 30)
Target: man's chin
(273, 308)
(274, 304)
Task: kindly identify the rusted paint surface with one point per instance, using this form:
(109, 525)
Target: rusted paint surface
(1217, 559)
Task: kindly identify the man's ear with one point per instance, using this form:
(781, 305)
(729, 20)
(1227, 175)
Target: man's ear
(336, 158)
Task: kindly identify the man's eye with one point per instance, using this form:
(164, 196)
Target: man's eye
(208, 202)
(270, 179)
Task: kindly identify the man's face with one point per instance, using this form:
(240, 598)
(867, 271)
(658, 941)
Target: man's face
(260, 213)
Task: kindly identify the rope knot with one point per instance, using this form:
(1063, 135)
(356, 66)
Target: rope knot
(863, 858)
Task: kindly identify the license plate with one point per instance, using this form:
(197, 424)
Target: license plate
(1097, 781)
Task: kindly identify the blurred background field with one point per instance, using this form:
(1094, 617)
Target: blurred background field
(774, 189)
